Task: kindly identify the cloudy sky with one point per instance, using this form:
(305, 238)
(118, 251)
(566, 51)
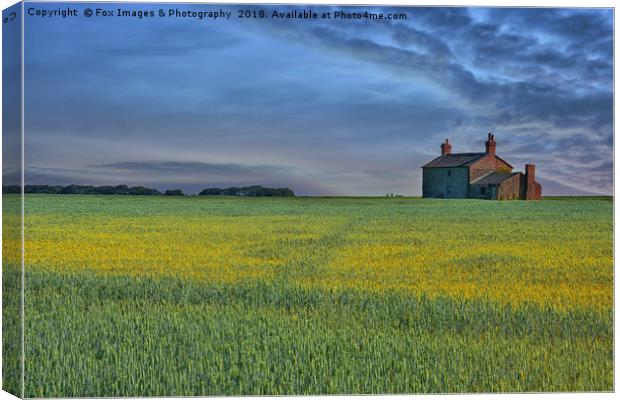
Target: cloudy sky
(324, 107)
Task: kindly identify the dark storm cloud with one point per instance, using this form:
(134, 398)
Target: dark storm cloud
(175, 167)
(353, 107)
(572, 25)
(513, 101)
(407, 36)
(545, 41)
(455, 19)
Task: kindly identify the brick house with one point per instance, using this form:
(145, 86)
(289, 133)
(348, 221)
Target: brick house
(477, 176)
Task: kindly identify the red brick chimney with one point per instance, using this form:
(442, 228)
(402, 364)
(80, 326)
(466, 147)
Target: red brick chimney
(530, 173)
(446, 148)
(490, 145)
(533, 190)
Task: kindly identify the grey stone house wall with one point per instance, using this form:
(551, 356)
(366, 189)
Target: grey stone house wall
(449, 182)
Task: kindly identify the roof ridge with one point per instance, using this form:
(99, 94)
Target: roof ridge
(453, 160)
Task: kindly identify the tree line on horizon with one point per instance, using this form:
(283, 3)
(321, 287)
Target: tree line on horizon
(248, 191)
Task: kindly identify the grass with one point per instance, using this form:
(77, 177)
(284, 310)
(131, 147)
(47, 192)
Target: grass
(129, 296)
(11, 291)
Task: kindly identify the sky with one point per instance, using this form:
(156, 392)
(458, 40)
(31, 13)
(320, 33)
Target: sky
(324, 107)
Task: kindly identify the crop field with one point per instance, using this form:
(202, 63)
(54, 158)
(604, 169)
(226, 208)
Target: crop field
(153, 296)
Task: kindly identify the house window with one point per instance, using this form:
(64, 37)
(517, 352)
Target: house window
(483, 190)
(449, 172)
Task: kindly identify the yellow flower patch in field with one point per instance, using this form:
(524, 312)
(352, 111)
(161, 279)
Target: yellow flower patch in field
(218, 249)
(552, 253)
(554, 274)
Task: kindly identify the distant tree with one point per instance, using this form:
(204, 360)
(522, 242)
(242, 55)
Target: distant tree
(44, 189)
(81, 189)
(143, 191)
(105, 190)
(121, 189)
(210, 192)
(284, 192)
(78, 189)
(250, 191)
(11, 189)
(71, 189)
(116, 190)
(232, 191)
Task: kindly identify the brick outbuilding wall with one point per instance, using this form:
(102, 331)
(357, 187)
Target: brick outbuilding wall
(511, 188)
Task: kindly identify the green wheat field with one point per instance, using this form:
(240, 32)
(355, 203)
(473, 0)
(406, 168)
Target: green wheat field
(164, 296)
